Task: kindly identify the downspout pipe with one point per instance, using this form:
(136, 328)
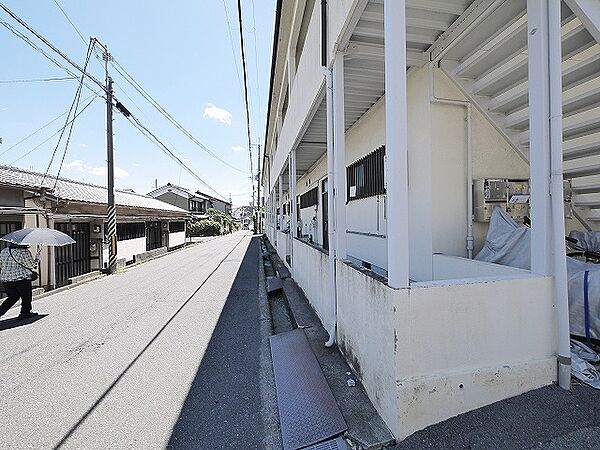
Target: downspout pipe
(557, 195)
(469, 110)
(331, 206)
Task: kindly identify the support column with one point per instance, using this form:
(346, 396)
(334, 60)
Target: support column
(280, 218)
(548, 256)
(339, 151)
(396, 143)
(293, 211)
(539, 132)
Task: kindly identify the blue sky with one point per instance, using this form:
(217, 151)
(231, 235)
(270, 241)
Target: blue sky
(181, 54)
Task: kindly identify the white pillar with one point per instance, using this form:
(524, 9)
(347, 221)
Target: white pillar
(339, 150)
(396, 143)
(293, 211)
(281, 201)
(557, 194)
(546, 172)
(539, 132)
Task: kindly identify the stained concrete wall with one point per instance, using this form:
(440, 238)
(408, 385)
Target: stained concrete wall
(430, 352)
(311, 273)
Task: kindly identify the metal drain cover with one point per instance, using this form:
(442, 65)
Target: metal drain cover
(274, 284)
(308, 412)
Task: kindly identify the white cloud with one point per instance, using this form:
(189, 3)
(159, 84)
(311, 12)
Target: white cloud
(136, 165)
(98, 171)
(84, 146)
(214, 112)
(238, 148)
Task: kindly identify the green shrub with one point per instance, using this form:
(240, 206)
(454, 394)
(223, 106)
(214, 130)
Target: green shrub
(205, 227)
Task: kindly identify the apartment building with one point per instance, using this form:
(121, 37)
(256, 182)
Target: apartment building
(394, 130)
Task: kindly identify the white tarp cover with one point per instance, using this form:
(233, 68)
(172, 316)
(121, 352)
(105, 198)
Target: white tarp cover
(587, 240)
(508, 243)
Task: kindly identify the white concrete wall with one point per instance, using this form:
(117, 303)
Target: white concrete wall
(127, 249)
(367, 336)
(447, 267)
(428, 353)
(311, 271)
(483, 342)
(283, 245)
(176, 239)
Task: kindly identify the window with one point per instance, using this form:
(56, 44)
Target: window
(176, 227)
(366, 177)
(309, 198)
(133, 230)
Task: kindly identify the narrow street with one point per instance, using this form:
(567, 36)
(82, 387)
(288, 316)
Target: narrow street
(165, 354)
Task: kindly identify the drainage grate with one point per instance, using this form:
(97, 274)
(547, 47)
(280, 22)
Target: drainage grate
(334, 444)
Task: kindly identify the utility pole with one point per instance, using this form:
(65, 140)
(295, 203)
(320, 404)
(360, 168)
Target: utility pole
(111, 213)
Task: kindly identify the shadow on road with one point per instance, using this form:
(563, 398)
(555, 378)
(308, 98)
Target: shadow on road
(7, 324)
(223, 406)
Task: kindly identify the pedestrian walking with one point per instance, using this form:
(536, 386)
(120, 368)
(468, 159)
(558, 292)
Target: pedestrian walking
(17, 271)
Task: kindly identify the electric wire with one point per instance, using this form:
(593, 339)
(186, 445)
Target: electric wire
(256, 56)
(37, 80)
(43, 52)
(130, 79)
(56, 133)
(246, 103)
(51, 46)
(33, 134)
(73, 109)
(235, 61)
(62, 160)
(121, 70)
(153, 138)
(70, 21)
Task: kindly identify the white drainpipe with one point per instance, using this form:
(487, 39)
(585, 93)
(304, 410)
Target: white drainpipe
(330, 205)
(467, 105)
(556, 193)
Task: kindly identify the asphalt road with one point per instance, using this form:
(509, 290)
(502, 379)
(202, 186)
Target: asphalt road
(164, 355)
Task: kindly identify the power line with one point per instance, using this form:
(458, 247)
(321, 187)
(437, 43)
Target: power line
(56, 133)
(33, 134)
(70, 21)
(73, 108)
(152, 137)
(37, 80)
(125, 112)
(42, 52)
(237, 68)
(121, 70)
(239, 5)
(77, 97)
(256, 56)
(50, 45)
